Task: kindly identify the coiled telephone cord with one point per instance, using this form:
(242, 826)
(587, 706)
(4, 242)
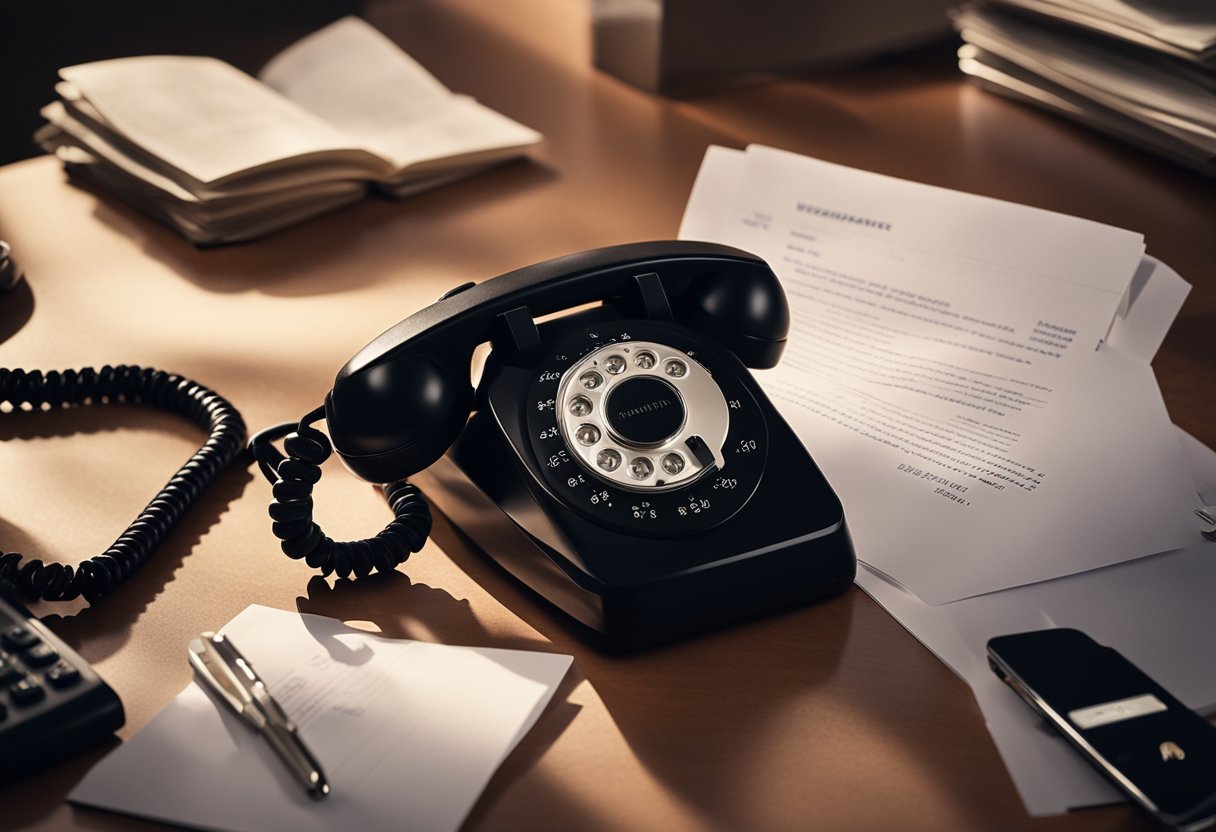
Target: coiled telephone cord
(101, 574)
(293, 475)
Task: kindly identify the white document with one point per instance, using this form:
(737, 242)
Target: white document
(408, 733)
(1157, 611)
(1157, 295)
(943, 371)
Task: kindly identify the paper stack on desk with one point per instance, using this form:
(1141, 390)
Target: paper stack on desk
(972, 376)
(1145, 73)
(224, 157)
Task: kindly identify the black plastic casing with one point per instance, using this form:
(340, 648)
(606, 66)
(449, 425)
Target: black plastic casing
(788, 544)
(773, 535)
(64, 722)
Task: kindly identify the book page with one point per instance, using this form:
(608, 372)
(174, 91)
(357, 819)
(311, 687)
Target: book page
(354, 77)
(943, 369)
(205, 118)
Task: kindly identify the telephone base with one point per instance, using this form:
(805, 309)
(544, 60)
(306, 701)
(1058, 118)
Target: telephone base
(619, 606)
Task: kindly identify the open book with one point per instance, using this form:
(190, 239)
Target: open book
(223, 156)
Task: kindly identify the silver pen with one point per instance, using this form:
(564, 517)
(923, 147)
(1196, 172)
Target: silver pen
(232, 678)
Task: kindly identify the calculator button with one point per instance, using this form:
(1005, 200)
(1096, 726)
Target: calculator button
(62, 675)
(40, 655)
(9, 671)
(26, 692)
(19, 638)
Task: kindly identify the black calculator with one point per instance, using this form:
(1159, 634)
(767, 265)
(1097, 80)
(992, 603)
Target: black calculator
(52, 704)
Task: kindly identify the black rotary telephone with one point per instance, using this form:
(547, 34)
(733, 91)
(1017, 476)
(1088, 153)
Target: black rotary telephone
(658, 490)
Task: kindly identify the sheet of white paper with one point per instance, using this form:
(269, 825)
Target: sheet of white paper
(1047, 773)
(1157, 611)
(713, 198)
(914, 380)
(408, 733)
(1157, 295)
(967, 250)
(1201, 462)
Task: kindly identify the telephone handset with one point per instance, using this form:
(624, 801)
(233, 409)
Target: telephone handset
(651, 487)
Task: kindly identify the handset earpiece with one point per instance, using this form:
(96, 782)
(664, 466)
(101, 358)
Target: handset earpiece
(393, 419)
(744, 309)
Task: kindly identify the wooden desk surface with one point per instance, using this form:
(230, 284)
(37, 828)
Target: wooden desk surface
(826, 717)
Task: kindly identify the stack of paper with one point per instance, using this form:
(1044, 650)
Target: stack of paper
(224, 157)
(1145, 73)
(972, 376)
(1183, 28)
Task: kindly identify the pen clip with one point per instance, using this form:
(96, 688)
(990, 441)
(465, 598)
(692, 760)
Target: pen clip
(216, 670)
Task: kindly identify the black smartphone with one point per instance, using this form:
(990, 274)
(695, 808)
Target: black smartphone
(1154, 748)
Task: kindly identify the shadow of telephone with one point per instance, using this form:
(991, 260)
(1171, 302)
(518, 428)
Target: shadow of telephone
(655, 488)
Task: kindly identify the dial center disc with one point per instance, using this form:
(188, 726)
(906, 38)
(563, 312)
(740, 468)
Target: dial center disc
(644, 410)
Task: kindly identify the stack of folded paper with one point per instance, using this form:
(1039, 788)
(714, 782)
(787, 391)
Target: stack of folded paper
(1144, 72)
(222, 156)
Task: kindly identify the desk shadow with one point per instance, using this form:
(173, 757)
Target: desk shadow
(86, 420)
(16, 308)
(95, 635)
(303, 258)
(934, 62)
(400, 608)
(695, 713)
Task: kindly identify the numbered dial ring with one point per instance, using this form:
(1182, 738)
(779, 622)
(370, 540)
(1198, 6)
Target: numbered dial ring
(567, 444)
(642, 415)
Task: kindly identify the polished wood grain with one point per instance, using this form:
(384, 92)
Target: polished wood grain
(827, 717)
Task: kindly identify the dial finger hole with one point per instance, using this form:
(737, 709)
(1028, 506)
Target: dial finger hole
(640, 468)
(675, 368)
(580, 406)
(609, 459)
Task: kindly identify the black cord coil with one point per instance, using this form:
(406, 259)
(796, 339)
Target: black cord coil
(100, 574)
(295, 473)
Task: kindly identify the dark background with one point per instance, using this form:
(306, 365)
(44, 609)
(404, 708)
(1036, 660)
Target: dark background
(37, 38)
